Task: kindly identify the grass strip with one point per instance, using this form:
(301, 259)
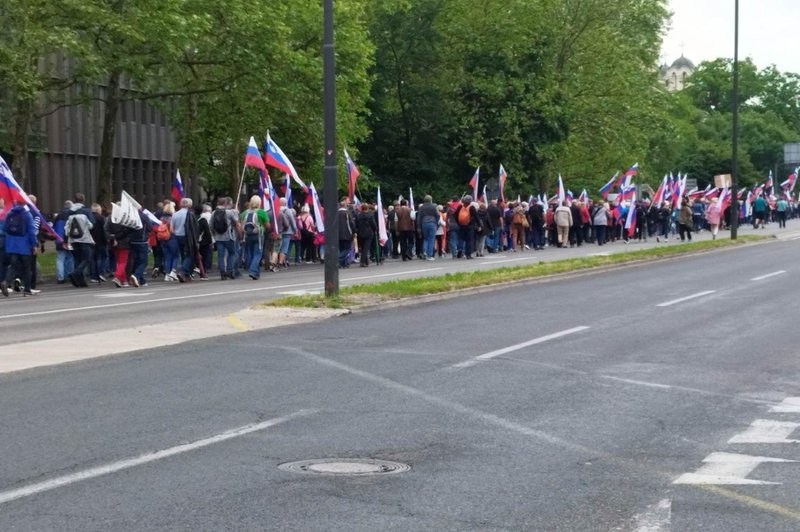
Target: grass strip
(360, 294)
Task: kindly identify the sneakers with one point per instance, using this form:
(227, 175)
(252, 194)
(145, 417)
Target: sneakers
(429, 258)
(117, 282)
(173, 275)
(17, 285)
(143, 285)
(94, 281)
(102, 278)
(167, 278)
(134, 281)
(155, 273)
(74, 280)
(30, 292)
(181, 278)
(4, 288)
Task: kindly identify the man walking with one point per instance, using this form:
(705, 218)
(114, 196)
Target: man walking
(20, 247)
(77, 228)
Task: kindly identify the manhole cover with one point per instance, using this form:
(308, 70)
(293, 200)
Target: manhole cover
(345, 466)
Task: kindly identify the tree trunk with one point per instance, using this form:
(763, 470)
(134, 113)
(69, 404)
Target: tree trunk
(105, 172)
(22, 121)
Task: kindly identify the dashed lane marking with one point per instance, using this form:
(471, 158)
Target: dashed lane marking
(687, 298)
(517, 347)
(86, 474)
(767, 276)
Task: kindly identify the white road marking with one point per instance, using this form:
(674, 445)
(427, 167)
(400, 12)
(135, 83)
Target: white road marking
(790, 405)
(657, 518)
(767, 431)
(767, 276)
(604, 254)
(300, 292)
(795, 238)
(518, 259)
(517, 347)
(728, 469)
(687, 298)
(114, 295)
(485, 417)
(197, 296)
(94, 472)
(393, 274)
(638, 383)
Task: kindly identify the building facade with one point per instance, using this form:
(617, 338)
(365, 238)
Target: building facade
(676, 76)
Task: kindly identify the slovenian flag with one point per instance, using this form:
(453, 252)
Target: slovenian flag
(584, 197)
(319, 214)
(629, 173)
(10, 191)
(630, 221)
(252, 157)
(274, 157)
(382, 236)
(501, 182)
(658, 198)
(473, 182)
(605, 189)
(352, 175)
(177, 187)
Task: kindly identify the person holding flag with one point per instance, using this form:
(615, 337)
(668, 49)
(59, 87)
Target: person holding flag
(20, 246)
(713, 217)
(685, 220)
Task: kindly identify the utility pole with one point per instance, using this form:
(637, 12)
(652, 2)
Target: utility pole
(735, 136)
(329, 188)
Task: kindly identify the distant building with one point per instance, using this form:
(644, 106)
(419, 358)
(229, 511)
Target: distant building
(675, 76)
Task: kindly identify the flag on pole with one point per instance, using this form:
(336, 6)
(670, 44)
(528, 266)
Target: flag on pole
(127, 212)
(561, 193)
(501, 182)
(177, 186)
(724, 198)
(483, 196)
(252, 157)
(629, 173)
(768, 183)
(10, 191)
(274, 157)
(473, 182)
(382, 236)
(319, 214)
(584, 197)
(411, 199)
(658, 197)
(288, 192)
(630, 221)
(605, 189)
(352, 175)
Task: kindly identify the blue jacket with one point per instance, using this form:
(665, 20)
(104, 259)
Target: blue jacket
(22, 245)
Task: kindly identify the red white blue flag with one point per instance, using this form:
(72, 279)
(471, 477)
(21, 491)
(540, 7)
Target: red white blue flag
(177, 187)
(352, 175)
(10, 191)
(473, 182)
(252, 157)
(501, 180)
(605, 189)
(274, 157)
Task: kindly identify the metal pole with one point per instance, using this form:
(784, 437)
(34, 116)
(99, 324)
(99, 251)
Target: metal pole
(329, 190)
(735, 136)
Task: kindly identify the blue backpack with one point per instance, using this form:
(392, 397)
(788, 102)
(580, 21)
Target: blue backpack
(15, 223)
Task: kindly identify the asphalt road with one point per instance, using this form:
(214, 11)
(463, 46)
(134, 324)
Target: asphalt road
(570, 405)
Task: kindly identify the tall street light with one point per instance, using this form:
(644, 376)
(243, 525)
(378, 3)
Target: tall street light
(735, 137)
(329, 190)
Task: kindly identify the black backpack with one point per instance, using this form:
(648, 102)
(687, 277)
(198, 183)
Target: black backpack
(250, 223)
(15, 223)
(219, 221)
(75, 229)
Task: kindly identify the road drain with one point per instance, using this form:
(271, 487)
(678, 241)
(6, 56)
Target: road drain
(345, 467)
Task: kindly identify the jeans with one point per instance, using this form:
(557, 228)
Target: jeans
(600, 234)
(537, 237)
(466, 239)
(170, 251)
(428, 234)
(344, 252)
(226, 256)
(139, 252)
(83, 254)
(186, 259)
(64, 263)
(99, 263)
(664, 228)
(252, 252)
(452, 241)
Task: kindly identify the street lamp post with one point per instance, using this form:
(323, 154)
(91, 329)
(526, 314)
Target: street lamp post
(735, 136)
(329, 190)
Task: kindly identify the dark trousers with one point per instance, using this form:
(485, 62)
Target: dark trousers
(466, 239)
(19, 266)
(344, 251)
(685, 231)
(600, 234)
(407, 244)
(83, 255)
(365, 249)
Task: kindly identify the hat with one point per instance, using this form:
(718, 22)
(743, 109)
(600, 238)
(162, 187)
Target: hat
(467, 199)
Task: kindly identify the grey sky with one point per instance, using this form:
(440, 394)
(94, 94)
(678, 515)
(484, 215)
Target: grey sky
(768, 31)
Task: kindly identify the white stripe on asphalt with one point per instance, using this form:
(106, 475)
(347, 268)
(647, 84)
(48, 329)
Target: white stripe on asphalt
(657, 518)
(767, 431)
(58, 482)
(208, 294)
(517, 347)
(687, 298)
(767, 276)
(638, 383)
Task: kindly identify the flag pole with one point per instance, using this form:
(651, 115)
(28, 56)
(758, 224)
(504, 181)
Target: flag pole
(241, 182)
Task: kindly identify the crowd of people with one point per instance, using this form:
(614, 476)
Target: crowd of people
(182, 238)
